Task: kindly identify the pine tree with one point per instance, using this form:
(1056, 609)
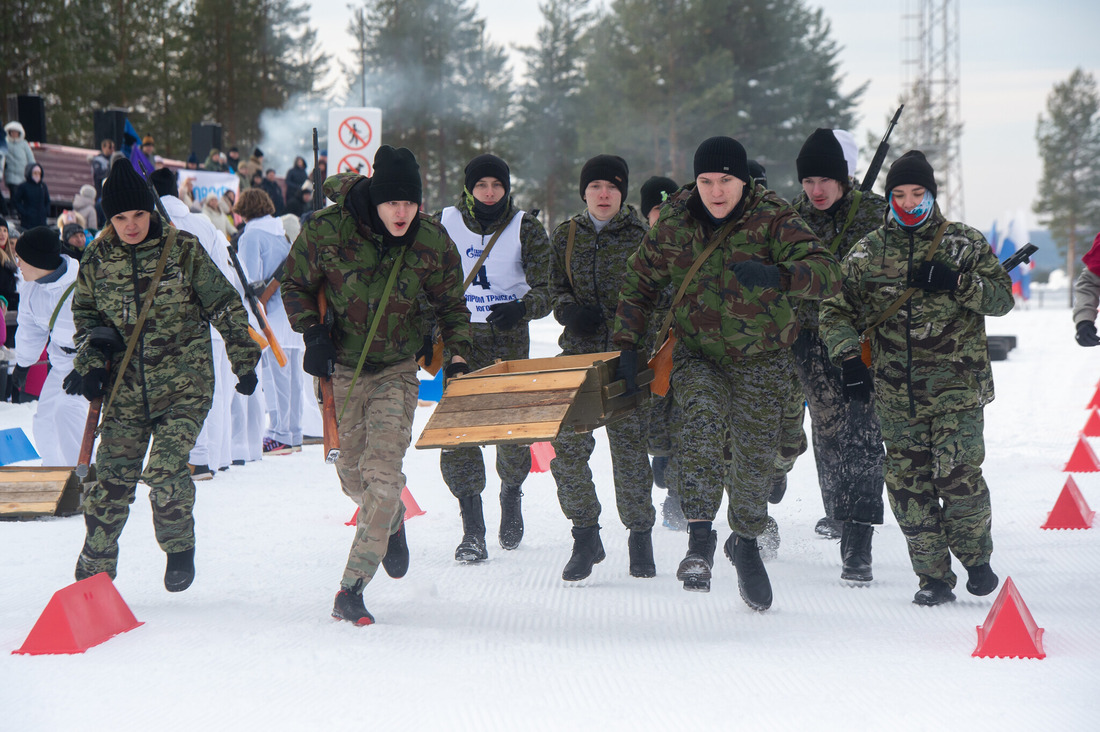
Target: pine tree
(1069, 143)
(761, 71)
(545, 136)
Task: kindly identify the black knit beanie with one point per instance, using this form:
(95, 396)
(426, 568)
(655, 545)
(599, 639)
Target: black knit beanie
(611, 168)
(488, 166)
(822, 156)
(40, 248)
(656, 190)
(722, 155)
(913, 168)
(71, 230)
(125, 190)
(396, 176)
(758, 173)
(164, 181)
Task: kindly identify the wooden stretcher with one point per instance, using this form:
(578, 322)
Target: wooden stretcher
(530, 400)
(31, 492)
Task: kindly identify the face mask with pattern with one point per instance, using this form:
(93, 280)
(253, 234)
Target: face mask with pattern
(916, 216)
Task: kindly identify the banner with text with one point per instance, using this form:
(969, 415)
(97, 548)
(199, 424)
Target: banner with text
(205, 183)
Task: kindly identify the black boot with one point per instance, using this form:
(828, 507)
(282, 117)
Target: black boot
(982, 581)
(660, 464)
(779, 488)
(640, 544)
(855, 551)
(472, 547)
(511, 517)
(180, 572)
(829, 528)
(752, 578)
(587, 551)
(694, 569)
(349, 605)
(396, 561)
(936, 592)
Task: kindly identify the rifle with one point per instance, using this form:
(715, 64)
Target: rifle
(331, 436)
(257, 309)
(318, 193)
(1019, 257)
(270, 286)
(880, 154)
(106, 339)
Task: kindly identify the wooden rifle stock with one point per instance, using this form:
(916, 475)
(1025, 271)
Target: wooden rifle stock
(331, 437)
(257, 310)
(91, 424)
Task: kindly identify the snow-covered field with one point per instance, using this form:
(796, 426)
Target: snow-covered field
(508, 645)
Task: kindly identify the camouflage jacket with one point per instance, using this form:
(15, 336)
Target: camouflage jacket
(930, 357)
(348, 259)
(718, 318)
(829, 225)
(597, 265)
(173, 357)
(535, 255)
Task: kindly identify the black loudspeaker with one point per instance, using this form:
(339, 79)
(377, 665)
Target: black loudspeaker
(110, 124)
(204, 137)
(30, 111)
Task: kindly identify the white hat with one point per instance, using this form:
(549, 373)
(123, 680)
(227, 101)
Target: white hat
(15, 126)
(851, 150)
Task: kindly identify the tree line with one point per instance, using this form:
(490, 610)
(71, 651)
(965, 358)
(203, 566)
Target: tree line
(170, 63)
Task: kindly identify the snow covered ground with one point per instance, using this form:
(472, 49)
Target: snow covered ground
(508, 645)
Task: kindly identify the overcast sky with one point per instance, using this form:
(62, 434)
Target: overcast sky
(1012, 53)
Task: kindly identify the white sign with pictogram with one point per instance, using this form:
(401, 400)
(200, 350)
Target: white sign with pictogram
(354, 134)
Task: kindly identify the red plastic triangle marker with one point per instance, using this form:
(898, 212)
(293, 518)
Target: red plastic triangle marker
(1095, 403)
(411, 507)
(541, 455)
(77, 617)
(1092, 425)
(1070, 511)
(1083, 459)
(354, 519)
(1009, 631)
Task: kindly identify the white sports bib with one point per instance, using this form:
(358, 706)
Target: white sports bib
(500, 277)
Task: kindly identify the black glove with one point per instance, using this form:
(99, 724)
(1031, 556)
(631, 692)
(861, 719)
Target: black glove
(751, 273)
(455, 368)
(95, 384)
(1086, 334)
(106, 339)
(19, 375)
(425, 352)
(320, 357)
(246, 383)
(628, 370)
(935, 277)
(73, 383)
(584, 320)
(506, 315)
(857, 379)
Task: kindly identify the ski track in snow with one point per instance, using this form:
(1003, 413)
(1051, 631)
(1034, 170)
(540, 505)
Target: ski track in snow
(506, 644)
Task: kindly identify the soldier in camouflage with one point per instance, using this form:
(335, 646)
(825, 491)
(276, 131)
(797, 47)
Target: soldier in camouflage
(931, 369)
(732, 363)
(587, 260)
(508, 291)
(371, 237)
(846, 436)
(167, 385)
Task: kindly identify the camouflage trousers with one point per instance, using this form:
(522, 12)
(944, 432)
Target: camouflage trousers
(630, 466)
(375, 433)
(123, 442)
(792, 437)
(846, 435)
(728, 435)
(464, 469)
(936, 490)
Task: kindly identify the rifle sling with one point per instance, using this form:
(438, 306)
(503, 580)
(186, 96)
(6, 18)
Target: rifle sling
(485, 253)
(382, 302)
(896, 305)
(140, 324)
(834, 245)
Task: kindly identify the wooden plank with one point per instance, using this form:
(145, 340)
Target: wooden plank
(511, 400)
(554, 363)
(9, 474)
(510, 418)
(40, 496)
(488, 435)
(615, 388)
(45, 508)
(467, 385)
